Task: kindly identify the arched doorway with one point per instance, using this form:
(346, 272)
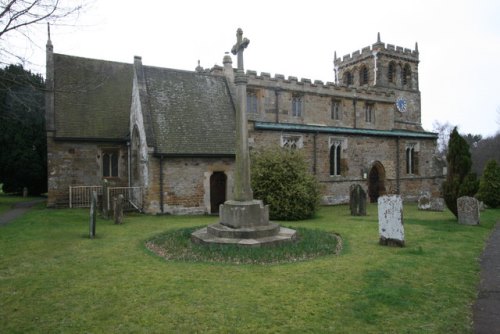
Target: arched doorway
(217, 191)
(376, 182)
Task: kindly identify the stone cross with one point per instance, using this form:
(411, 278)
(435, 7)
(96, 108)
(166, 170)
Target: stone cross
(241, 44)
(242, 189)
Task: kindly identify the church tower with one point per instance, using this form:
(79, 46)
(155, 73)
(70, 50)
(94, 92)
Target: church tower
(386, 67)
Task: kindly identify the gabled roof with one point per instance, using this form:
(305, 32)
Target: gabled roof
(192, 113)
(92, 98)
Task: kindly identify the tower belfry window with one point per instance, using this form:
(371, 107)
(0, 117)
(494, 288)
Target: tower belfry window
(391, 72)
(348, 78)
(406, 79)
(363, 76)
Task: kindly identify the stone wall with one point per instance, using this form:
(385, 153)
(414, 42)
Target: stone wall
(74, 163)
(186, 184)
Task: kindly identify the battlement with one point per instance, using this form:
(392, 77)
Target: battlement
(379, 47)
(304, 85)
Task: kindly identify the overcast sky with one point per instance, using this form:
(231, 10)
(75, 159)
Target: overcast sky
(458, 41)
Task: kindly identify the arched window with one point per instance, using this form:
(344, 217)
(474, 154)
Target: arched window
(335, 156)
(411, 159)
(406, 75)
(391, 72)
(363, 76)
(348, 78)
(110, 163)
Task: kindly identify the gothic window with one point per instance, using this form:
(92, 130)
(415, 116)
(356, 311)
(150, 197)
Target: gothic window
(335, 157)
(110, 163)
(296, 105)
(406, 79)
(411, 159)
(391, 73)
(335, 112)
(369, 113)
(292, 142)
(363, 76)
(348, 80)
(252, 102)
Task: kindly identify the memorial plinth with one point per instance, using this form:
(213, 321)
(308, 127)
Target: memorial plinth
(243, 221)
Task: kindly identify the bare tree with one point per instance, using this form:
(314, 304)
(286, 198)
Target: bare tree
(443, 130)
(18, 18)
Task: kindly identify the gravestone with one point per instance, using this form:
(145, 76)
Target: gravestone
(357, 200)
(118, 209)
(390, 220)
(468, 210)
(428, 203)
(93, 215)
(105, 200)
(437, 204)
(25, 192)
(424, 202)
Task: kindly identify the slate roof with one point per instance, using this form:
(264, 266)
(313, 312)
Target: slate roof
(192, 113)
(92, 98)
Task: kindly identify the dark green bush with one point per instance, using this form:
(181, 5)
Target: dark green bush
(459, 180)
(280, 177)
(489, 186)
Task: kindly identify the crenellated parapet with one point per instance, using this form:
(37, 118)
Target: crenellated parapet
(293, 84)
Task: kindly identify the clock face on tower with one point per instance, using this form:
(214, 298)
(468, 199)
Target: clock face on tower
(401, 104)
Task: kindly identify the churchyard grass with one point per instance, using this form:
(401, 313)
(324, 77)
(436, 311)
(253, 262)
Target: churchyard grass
(7, 200)
(54, 279)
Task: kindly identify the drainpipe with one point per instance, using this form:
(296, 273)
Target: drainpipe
(315, 156)
(355, 117)
(129, 163)
(277, 95)
(161, 183)
(397, 166)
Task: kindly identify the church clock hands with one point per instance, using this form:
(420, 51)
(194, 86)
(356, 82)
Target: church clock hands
(401, 104)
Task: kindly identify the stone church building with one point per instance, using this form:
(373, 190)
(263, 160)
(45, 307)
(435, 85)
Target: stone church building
(172, 132)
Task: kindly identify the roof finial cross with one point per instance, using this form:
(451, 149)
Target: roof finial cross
(241, 44)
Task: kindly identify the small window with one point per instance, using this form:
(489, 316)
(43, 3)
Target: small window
(297, 106)
(110, 163)
(411, 160)
(369, 113)
(391, 72)
(335, 112)
(363, 76)
(406, 79)
(252, 102)
(335, 158)
(292, 142)
(348, 80)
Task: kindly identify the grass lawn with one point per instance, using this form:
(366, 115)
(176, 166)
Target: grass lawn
(54, 279)
(6, 201)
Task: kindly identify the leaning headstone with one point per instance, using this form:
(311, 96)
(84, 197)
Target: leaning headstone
(424, 202)
(390, 220)
(105, 200)
(357, 200)
(468, 210)
(93, 215)
(118, 209)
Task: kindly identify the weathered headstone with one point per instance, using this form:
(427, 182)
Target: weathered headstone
(93, 215)
(118, 209)
(424, 202)
(428, 203)
(481, 206)
(468, 210)
(390, 220)
(105, 200)
(25, 192)
(357, 200)
(437, 204)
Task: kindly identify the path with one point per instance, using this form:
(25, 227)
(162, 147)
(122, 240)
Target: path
(486, 310)
(17, 210)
